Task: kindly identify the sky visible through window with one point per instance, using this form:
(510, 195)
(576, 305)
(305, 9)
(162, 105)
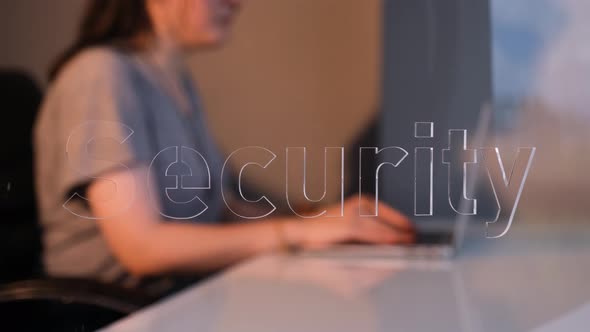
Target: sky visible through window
(541, 53)
(541, 81)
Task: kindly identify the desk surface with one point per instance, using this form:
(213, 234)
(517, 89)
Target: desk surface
(531, 279)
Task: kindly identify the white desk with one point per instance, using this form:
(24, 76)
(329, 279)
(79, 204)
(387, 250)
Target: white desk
(535, 278)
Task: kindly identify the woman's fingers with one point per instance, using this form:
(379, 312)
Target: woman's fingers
(389, 227)
(390, 215)
(395, 218)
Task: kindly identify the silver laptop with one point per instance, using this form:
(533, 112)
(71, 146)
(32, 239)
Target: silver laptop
(435, 239)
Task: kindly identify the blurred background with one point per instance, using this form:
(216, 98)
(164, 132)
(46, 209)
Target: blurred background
(541, 85)
(295, 73)
(320, 73)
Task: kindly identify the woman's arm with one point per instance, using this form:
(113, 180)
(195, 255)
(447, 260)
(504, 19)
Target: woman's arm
(145, 245)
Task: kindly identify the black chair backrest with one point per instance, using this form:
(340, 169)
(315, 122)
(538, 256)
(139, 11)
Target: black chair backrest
(20, 240)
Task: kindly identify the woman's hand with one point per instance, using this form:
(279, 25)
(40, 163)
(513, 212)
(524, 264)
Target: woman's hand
(147, 246)
(390, 227)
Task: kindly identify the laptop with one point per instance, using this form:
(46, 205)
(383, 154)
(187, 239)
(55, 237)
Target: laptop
(435, 239)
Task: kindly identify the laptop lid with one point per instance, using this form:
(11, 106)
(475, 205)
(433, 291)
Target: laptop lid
(472, 178)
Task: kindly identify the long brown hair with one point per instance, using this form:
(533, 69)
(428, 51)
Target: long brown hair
(108, 22)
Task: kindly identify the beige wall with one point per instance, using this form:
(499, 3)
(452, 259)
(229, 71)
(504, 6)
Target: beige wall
(33, 32)
(296, 73)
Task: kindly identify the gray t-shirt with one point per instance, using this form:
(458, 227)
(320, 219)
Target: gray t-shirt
(110, 110)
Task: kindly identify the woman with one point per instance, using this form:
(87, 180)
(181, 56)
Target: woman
(119, 98)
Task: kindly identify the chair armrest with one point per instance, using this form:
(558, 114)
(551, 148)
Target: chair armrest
(79, 291)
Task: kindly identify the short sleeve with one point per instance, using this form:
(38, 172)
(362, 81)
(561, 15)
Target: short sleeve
(101, 121)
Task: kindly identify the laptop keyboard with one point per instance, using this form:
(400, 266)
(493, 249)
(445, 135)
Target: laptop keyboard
(428, 246)
(433, 238)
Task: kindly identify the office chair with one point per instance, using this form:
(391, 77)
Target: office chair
(20, 237)
(29, 300)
